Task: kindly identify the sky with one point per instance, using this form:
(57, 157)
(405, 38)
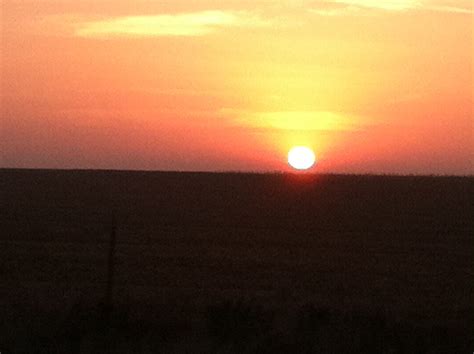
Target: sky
(372, 86)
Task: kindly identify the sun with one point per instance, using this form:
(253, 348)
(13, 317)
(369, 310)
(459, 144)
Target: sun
(301, 157)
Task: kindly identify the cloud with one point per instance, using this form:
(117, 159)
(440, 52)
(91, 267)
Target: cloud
(296, 120)
(340, 7)
(344, 7)
(452, 9)
(181, 24)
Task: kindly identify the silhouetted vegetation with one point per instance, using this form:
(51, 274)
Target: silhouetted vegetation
(235, 327)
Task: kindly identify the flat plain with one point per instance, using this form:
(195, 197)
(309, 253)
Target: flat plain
(397, 245)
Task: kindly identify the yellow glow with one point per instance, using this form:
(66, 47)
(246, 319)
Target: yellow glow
(301, 157)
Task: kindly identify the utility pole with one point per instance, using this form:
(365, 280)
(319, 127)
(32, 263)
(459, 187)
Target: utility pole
(111, 266)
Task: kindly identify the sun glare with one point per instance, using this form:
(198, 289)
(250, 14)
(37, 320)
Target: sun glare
(301, 157)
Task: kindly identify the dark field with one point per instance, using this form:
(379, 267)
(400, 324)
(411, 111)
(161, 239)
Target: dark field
(210, 262)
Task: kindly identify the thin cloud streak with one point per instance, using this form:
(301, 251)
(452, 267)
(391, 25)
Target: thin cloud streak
(452, 9)
(183, 24)
(350, 7)
(390, 5)
(297, 120)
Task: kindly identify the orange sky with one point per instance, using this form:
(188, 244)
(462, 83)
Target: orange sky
(371, 85)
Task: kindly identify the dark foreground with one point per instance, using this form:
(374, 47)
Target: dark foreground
(235, 263)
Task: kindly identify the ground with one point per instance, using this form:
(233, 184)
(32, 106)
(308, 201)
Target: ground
(196, 249)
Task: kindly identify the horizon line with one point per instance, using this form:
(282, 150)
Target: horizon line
(242, 172)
